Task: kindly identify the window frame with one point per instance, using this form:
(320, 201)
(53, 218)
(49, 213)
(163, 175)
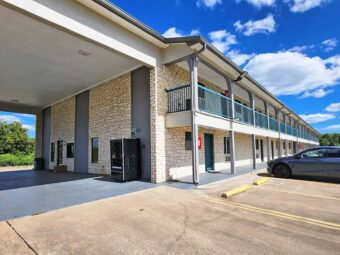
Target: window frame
(319, 149)
(188, 140)
(68, 155)
(332, 149)
(94, 156)
(52, 152)
(226, 147)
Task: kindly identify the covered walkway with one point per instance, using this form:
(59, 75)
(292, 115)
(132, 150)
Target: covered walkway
(208, 178)
(30, 192)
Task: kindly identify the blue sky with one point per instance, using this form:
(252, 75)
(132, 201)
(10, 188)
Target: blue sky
(292, 47)
(27, 120)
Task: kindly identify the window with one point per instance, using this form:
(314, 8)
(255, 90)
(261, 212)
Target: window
(257, 144)
(52, 152)
(188, 141)
(70, 150)
(289, 145)
(284, 145)
(333, 153)
(226, 145)
(94, 150)
(320, 153)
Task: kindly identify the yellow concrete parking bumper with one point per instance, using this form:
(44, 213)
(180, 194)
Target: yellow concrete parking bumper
(235, 191)
(261, 180)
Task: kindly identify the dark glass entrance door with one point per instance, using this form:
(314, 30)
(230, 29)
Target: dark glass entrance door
(209, 152)
(116, 157)
(59, 153)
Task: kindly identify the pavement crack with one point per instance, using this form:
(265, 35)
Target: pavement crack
(27, 244)
(185, 225)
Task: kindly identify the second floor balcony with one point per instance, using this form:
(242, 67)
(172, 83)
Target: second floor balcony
(214, 103)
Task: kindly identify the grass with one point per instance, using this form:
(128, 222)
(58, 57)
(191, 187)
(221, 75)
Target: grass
(16, 160)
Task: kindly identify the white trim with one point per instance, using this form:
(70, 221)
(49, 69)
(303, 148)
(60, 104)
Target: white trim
(76, 27)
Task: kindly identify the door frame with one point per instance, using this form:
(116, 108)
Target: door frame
(60, 143)
(211, 150)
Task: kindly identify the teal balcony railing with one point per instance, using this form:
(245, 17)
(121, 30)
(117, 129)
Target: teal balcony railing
(294, 132)
(179, 99)
(273, 124)
(212, 102)
(243, 113)
(282, 128)
(289, 130)
(261, 120)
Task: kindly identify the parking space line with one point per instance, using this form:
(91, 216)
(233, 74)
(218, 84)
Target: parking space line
(297, 193)
(279, 214)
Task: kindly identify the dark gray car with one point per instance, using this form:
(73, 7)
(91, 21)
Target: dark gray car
(317, 162)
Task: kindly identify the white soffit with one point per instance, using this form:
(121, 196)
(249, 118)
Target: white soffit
(40, 64)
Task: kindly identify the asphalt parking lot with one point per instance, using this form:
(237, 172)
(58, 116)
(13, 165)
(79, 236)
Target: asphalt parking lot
(280, 216)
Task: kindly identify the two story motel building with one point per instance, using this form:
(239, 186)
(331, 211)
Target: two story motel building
(91, 74)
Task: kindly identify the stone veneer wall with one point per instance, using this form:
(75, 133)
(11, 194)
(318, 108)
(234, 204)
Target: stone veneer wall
(109, 118)
(162, 78)
(38, 135)
(63, 128)
(178, 160)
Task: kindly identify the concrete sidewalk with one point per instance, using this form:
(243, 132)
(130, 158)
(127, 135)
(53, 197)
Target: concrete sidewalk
(29, 192)
(167, 220)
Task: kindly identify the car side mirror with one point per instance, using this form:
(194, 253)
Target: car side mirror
(298, 157)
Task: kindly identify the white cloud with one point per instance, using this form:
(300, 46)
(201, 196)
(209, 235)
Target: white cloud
(317, 117)
(304, 5)
(318, 93)
(259, 3)
(30, 128)
(332, 127)
(330, 44)
(301, 48)
(292, 73)
(174, 32)
(265, 26)
(222, 40)
(9, 118)
(208, 3)
(335, 107)
(25, 115)
(239, 58)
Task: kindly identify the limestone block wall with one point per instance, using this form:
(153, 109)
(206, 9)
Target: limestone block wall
(38, 135)
(162, 78)
(109, 118)
(179, 160)
(63, 128)
(243, 150)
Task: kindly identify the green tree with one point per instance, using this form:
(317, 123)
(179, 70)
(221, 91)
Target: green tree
(330, 140)
(14, 139)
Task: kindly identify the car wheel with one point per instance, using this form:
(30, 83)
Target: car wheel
(282, 171)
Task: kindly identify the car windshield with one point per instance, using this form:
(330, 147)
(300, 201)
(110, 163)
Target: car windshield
(316, 153)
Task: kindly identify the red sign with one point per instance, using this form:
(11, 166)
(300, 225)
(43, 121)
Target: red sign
(200, 142)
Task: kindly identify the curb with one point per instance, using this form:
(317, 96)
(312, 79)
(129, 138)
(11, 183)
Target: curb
(235, 191)
(261, 180)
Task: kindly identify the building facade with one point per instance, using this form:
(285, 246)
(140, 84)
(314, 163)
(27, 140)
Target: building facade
(192, 108)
